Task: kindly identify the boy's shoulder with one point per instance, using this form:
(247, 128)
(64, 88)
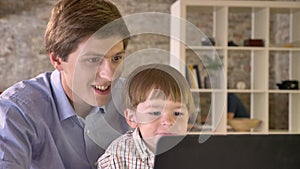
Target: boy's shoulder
(129, 144)
(123, 142)
(126, 151)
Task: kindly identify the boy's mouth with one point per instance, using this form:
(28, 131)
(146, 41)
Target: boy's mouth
(166, 134)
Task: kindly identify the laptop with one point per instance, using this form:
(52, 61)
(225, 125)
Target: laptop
(237, 151)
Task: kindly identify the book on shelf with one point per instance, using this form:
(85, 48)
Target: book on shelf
(197, 73)
(193, 76)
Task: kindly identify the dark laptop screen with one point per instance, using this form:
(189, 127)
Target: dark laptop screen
(276, 151)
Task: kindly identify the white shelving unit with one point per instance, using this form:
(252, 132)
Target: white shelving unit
(258, 90)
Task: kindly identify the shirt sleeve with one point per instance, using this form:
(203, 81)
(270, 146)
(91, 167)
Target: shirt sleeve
(104, 161)
(236, 106)
(15, 137)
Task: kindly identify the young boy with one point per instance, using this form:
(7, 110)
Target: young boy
(158, 103)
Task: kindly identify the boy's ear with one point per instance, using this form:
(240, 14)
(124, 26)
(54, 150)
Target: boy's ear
(130, 117)
(56, 61)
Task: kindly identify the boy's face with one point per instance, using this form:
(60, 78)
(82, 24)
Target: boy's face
(157, 117)
(88, 73)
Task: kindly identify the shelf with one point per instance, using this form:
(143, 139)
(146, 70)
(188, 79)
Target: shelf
(208, 90)
(252, 66)
(284, 49)
(205, 48)
(285, 91)
(247, 48)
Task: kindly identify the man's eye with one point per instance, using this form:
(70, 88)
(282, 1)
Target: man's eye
(93, 60)
(117, 58)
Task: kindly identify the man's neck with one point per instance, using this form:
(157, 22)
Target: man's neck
(81, 109)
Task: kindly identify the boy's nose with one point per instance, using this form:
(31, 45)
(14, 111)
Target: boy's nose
(167, 119)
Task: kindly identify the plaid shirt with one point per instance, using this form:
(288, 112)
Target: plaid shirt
(126, 152)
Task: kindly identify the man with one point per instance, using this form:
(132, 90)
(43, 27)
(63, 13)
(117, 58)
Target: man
(65, 119)
(236, 109)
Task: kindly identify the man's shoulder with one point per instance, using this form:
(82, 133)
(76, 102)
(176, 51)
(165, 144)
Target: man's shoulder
(29, 91)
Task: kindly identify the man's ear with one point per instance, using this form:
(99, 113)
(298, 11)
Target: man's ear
(130, 117)
(56, 61)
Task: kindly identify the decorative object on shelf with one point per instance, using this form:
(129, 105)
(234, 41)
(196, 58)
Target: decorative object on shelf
(241, 85)
(289, 85)
(208, 41)
(231, 43)
(254, 42)
(212, 63)
(214, 67)
(243, 124)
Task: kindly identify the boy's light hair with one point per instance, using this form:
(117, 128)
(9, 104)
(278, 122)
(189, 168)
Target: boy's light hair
(157, 76)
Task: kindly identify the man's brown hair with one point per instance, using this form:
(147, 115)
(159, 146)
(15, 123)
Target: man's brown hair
(73, 20)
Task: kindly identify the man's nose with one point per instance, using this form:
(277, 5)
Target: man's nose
(106, 70)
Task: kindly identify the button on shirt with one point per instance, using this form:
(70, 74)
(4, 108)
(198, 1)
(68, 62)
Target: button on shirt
(40, 130)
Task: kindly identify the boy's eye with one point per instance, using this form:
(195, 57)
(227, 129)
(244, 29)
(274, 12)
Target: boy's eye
(178, 114)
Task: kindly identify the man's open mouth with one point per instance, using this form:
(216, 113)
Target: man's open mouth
(101, 88)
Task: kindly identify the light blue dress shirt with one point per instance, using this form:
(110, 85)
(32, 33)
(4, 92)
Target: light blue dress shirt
(40, 130)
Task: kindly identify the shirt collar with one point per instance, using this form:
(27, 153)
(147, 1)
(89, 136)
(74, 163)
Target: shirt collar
(92, 112)
(142, 149)
(64, 107)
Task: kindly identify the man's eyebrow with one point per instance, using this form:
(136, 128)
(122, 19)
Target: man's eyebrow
(91, 53)
(120, 52)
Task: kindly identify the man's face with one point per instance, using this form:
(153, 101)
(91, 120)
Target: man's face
(88, 73)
